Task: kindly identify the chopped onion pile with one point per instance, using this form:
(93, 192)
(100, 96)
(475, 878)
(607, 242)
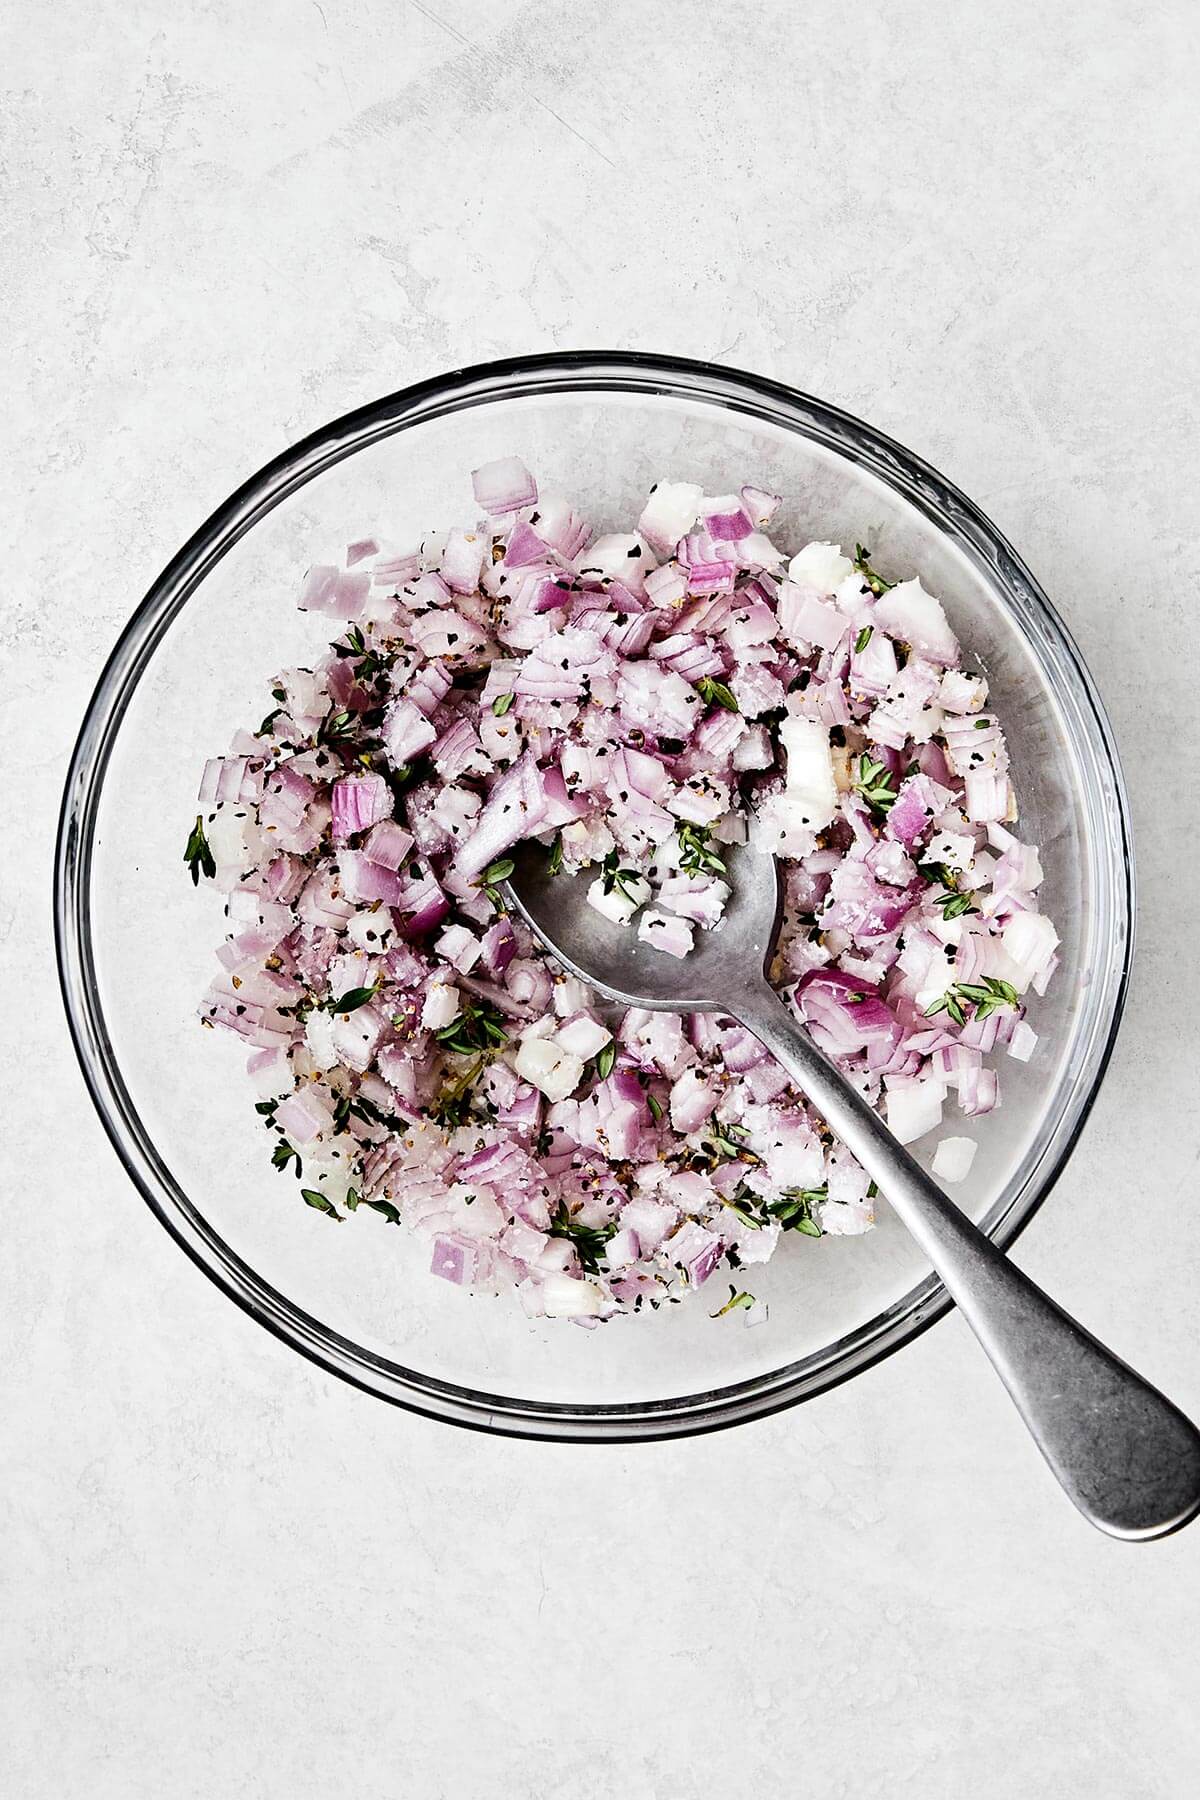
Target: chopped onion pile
(638, 701)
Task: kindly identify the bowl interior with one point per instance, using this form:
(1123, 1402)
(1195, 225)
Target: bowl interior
(139, 940)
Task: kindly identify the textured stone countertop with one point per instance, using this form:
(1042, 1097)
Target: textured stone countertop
(223, 1572)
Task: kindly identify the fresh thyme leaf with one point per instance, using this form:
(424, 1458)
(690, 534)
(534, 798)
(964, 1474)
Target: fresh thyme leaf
(734, 1303)
(739, 1203)
(950, 1003)
(794, 1210)
(862, 562)
(282, 1155)
(366, 1110)
(336, 727)
(267, 723)
(973, 990)
(479, 1026)
(589, 1240)
(986, 996)
(874, 782)
(955, 905)
(266, 1108)
(605, 1059)
(320, 1203)
(554, 863)
(863, 639)
(488, 882)
(453, 1104)
(613, 876)
(354, 998)
(198, 857)
(721, 1143)
(501, 704)
(656, 1111)
(390, 1213)
(715, 693)
(696, 855)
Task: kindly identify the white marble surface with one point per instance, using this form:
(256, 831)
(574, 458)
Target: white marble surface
(225, 1573)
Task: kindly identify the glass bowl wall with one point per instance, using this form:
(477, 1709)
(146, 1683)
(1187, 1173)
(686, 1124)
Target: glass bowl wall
(136, 940)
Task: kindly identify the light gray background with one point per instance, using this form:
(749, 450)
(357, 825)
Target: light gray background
(223, 1572)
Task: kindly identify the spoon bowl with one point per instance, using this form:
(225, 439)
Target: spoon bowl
(613, 959)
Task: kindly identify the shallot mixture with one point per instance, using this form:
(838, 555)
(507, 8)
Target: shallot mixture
(636, 701)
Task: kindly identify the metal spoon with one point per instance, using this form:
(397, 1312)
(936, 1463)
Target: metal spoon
(1129, 1460)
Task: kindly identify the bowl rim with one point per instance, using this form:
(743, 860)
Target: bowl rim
(646, 374)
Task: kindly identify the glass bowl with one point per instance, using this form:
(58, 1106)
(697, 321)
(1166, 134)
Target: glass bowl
(136, 940)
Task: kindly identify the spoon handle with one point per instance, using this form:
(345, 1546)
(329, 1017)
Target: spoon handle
(1125, 1455)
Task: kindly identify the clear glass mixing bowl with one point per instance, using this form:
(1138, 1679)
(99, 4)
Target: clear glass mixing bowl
(136, 940)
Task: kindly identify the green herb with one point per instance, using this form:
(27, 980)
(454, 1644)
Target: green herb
(794, 1210)
(355, 1106)
(733, 1304)
(988, 995)
(874, 782)
(948, 1003)
(613, 876)
(267, 723)
(715, 693)
(494, 874)
(198, 857)
(656, 1111)
(955, 905)
(937, 872)
(353, 999)
(390, 1213)
(336, 727)
(320, 1203)
(739, 1203)
(721, 1143)
(863, 639)
(501, 704)
(862, 562)
(589, 1240)
(554, 861)
(372, 661)
(982, 724)
(266, 1108)
(696, 855)
(479, 1026)
(282, 1155)
(453, 1104)
(604, 1061)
